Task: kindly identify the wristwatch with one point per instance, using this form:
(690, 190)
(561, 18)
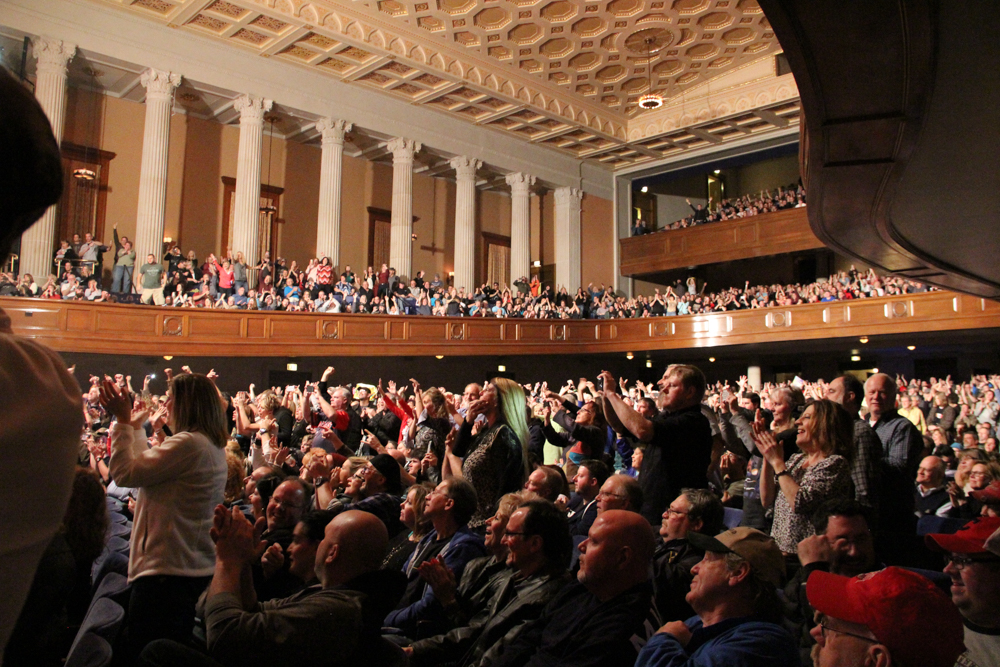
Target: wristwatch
(783, 472)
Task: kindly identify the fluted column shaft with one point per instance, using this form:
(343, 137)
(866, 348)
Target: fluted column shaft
(246, 209)
(465, 222)
(520, 225)
(38, 242)
(401, 231)
(568, 238)
(330, 183)
(153, 171)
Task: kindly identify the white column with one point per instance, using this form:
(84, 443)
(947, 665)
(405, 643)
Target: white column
(568, 238)
(330, 173)
(465, 222)
(246, 210)
(38, 242)
(520, 225)
(401, 232)
(153, 172)
(753, 378)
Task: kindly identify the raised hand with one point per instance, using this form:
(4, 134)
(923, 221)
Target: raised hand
(272, 560)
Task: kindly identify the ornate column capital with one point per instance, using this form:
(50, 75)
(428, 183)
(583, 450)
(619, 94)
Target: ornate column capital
(567, 195)
(52, 54)
(159, 84)
(252, 109)
(465, 167)
(333, 130)
(520, 182)
(403, 149)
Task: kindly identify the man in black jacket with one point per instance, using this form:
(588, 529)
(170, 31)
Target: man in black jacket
(679, 440)
(539, 547)
(591, 623)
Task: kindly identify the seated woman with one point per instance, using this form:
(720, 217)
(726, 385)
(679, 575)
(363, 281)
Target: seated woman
(820, 472)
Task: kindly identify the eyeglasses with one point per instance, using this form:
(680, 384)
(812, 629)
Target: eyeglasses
(823, 628)
(961, 561)
(607, 494)
(671, 511)
(282, 503)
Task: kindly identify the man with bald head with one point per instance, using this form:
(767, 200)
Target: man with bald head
(901, 447)
(327, 624)
(591, 622)
(930, 495)
(619, 492)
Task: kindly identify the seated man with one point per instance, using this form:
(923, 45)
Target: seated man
(539, 547)
(591, 622)
(975, 588)
(889, 618)
(842, 545)
(284, 511)
(380, 491)
(734, 592)
(590, 475)
(335, 623)
(448, 507)
(619, 492)
(300, 555)
(930, 496)
(694, 511)
(547, 482)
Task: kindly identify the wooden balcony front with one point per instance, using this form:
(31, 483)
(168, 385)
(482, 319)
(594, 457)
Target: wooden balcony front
(756, 236)
(71, 326)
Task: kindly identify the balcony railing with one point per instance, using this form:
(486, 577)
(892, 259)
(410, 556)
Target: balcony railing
(74, 326)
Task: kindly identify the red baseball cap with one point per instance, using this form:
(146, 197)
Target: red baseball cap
(990, 495)
(905, 611)
(971, 539)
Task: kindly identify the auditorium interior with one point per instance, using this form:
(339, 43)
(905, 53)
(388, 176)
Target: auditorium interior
(485, 140)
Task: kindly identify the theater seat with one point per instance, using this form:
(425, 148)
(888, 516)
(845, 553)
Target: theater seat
(110, 561)
(118, 544)
(104, 619)
(122, 530)
(90, 650)
(927, 525)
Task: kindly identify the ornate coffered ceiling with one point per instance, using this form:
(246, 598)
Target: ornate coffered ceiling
(561, 73)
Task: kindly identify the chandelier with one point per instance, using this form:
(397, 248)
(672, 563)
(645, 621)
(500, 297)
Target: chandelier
(650, 100)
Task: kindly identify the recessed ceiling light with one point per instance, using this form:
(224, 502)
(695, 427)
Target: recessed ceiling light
(291, 367)
(629, 355)
(855, 358)
(711, 359)
(501, 368)
(645, 189)
(440, 356)
(718, 171)
(864, 339)
(649, 363)
(911, 348)
(874, 370)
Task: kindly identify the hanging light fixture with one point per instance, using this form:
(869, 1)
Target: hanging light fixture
(650, 100)
(269, 208)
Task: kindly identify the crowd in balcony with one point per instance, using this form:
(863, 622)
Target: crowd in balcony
(226, 282)
(767, 201)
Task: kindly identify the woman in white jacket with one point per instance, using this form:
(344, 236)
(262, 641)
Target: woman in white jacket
(180, 482)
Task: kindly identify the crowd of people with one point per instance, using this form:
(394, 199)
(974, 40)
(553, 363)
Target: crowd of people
(329, 523)
(768, 201)
(224, 283)
(596, 523)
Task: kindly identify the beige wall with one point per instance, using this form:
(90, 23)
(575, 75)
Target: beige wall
(202, 152)
(597, 239)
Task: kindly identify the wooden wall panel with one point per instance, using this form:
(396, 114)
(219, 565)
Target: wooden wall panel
(758, 236)
(114, 329)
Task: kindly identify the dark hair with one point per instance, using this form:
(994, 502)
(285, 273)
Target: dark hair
(315, 523)
(86, 520)
(463, 494)
(598, 470)
(754, 398)
(854, 386)
(705, 506)
(544, 519)
(845, 507)
(651, 404)
(267, 484)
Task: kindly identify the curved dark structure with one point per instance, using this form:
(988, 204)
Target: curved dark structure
(900, 146)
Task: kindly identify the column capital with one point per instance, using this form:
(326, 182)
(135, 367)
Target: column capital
(53, 54)
(403, 149)
(520, 182)
(333, 130)
(159, 83)
(465, 167)
(252, 109)
(566, 195)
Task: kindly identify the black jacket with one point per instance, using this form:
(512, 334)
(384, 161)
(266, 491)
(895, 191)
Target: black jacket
(578, 630)
(672, 563)
(497, 622)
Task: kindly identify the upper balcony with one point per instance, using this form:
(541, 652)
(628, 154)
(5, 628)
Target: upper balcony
(757, 236)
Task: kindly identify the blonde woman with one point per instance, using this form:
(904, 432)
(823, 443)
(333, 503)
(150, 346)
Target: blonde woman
(495, 460)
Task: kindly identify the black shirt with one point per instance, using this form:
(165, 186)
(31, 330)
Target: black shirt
(676, 458)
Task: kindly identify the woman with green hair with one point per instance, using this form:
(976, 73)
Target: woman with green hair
(495, 458)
